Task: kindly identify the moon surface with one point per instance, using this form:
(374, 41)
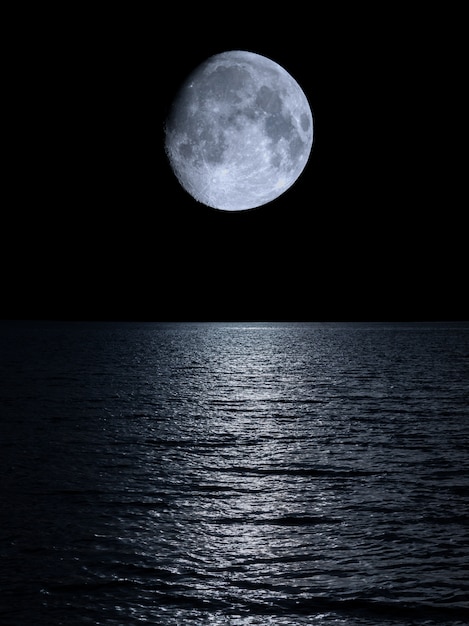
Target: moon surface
(239, 132)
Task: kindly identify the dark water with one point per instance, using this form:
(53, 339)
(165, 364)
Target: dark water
(234, 474)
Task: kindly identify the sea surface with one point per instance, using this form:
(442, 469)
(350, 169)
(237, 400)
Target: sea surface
(234, 473)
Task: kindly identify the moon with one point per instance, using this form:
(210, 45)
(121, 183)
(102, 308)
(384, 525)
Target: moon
(239, 131)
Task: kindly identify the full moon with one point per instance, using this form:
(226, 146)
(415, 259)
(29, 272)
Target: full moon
(239, 132)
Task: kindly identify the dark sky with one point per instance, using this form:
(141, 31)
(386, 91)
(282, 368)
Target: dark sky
(95, 225)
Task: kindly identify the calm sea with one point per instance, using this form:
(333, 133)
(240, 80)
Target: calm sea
(234, 473)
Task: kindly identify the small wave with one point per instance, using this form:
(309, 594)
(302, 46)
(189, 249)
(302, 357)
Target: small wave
(286, 520)
(301, 520)
(300, 471)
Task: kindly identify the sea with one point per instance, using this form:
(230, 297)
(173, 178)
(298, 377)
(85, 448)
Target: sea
(255, 473)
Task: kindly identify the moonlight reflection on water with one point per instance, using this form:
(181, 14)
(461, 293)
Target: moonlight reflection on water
(235, 474)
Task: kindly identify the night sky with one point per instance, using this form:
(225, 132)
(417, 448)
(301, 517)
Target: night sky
(96, 226)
